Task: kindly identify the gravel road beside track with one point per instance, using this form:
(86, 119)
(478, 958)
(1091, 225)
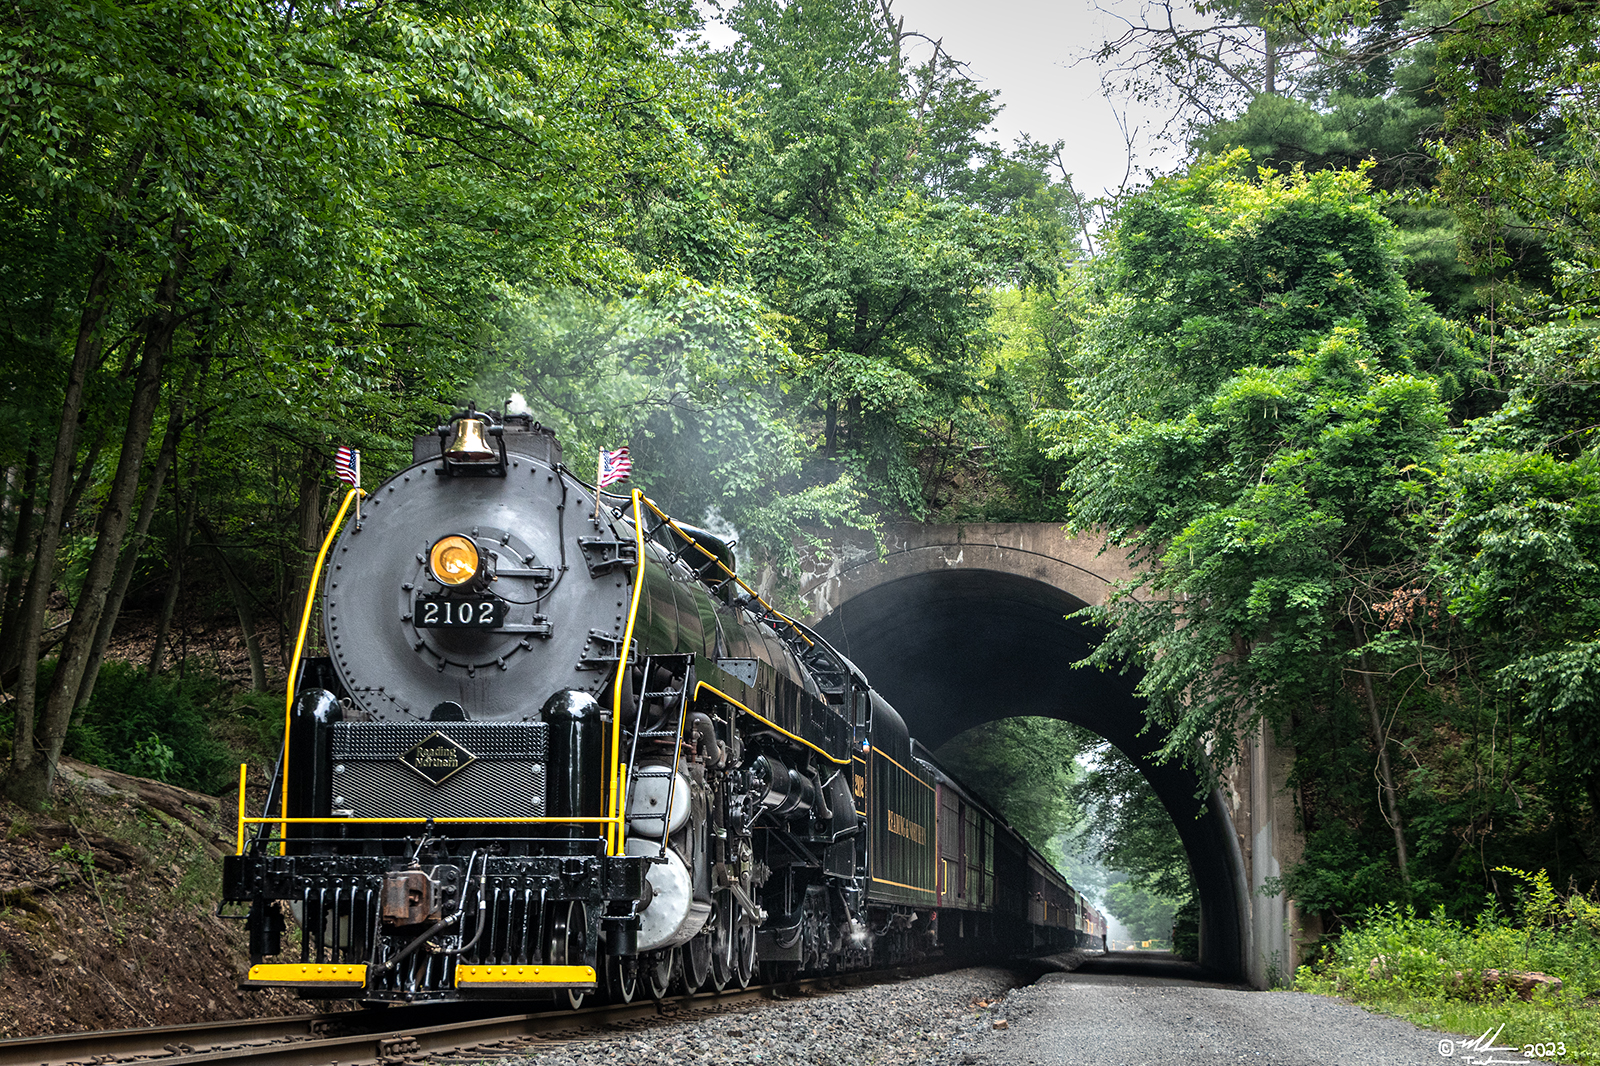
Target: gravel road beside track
(1124, 1010)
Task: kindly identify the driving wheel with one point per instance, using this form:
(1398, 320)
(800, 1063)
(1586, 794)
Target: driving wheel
(657, 969)
(569, 933)
(696, 963)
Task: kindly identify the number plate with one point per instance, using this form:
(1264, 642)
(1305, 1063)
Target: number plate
(458, 612)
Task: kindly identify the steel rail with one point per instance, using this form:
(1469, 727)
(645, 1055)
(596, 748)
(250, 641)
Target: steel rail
(85, 1047)
(396, 1034)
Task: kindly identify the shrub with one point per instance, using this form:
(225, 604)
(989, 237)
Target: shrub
(251, 725)
(1393, 953)
(153, 727)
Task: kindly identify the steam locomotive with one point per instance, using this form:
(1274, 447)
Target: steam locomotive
(557, 747)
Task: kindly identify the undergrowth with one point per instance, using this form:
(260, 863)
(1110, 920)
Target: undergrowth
(1431, 970)
(190, 730)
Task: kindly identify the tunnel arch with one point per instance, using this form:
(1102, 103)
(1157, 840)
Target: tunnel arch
(952, 645)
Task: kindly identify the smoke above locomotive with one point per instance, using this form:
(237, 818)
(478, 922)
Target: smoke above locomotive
(556, 746)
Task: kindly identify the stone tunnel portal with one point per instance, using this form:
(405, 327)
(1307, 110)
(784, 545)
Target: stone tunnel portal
(955, 648)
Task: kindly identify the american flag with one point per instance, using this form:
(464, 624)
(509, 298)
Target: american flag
(347, 464)
(614, 466)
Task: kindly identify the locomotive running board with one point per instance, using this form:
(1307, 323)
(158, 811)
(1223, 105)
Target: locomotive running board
(500, 978)
(305, 975)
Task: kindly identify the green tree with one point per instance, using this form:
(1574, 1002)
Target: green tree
(1026, 769)
(879, 222)
(1258, 401)
(1521, 88)
(690, 376)
(1128, 830)
(1085, 807)
(1146, 915)
(1518, 548)
(309, 207)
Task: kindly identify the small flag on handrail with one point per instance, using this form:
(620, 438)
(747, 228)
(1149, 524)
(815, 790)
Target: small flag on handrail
(347, 464)
(614, 467)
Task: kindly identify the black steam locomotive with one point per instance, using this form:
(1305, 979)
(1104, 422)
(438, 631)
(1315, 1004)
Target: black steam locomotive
(558, 747)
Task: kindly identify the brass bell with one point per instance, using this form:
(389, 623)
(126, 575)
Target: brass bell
(472, 442)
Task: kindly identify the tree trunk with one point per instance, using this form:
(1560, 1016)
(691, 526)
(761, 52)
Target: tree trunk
(129, 562)
(831, 436)
(28, 782)
(180, 552)
(21, 544)
(85, 476)
(309, 516)
(171, 800)
(1381, 738)
(1270, 74)
(10, 501)
(241, 603)
(113, 525)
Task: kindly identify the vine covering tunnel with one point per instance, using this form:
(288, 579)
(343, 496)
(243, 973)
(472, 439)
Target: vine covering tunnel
(955, 648)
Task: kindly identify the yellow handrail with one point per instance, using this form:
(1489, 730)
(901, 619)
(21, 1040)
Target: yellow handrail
(239, 838)
(294, 663)
(703, 550)
(614, 792)
(773, 725)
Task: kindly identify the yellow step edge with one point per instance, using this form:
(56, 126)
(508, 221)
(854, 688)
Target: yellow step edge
(524, 975)
(308, 973)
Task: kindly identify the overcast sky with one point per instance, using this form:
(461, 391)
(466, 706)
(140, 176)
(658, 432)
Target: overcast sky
(1035, 53)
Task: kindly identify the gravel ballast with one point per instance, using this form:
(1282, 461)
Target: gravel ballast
(906, 1021)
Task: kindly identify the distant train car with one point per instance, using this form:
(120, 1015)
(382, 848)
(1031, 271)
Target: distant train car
(992, 886)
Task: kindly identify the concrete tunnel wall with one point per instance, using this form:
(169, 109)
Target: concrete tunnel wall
(953, 648)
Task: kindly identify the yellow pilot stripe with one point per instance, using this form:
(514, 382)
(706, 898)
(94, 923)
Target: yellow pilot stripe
(767, 723)
(308, 973)
(903, 770)
(524, 975)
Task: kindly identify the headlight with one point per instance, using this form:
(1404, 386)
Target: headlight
(453, 560)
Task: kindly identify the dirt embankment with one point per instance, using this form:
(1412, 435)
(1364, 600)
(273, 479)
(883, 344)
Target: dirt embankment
(107, 910)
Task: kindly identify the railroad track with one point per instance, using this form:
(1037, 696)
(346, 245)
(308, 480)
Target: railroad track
(377, 1037)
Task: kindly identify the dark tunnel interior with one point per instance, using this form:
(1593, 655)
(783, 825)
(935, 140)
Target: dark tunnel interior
(955, 648)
